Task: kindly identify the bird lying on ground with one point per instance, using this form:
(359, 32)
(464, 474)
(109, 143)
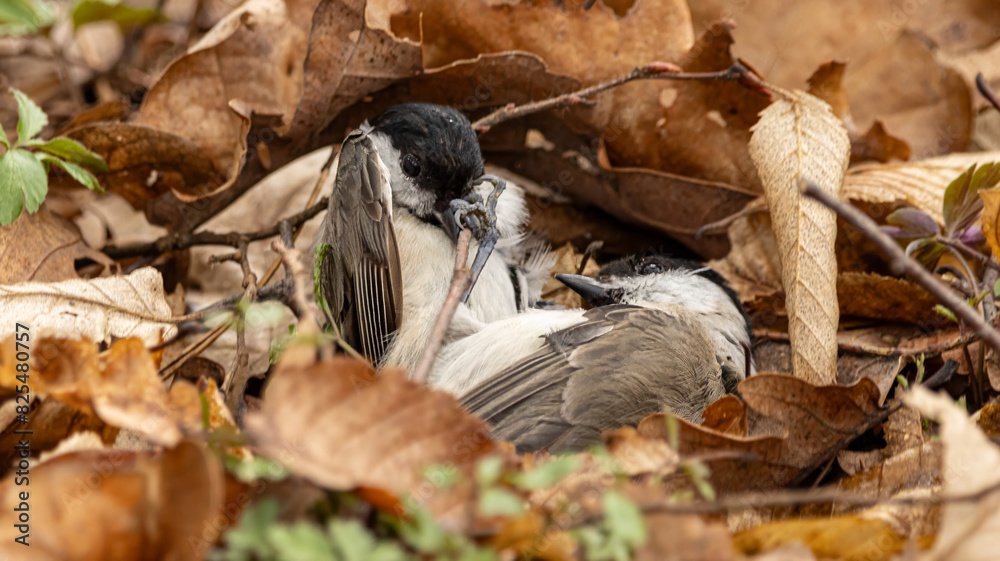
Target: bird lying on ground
(666, 334)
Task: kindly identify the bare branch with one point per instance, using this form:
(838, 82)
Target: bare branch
(654, 71)
(902, 264)
(178, 241)
(459, 283)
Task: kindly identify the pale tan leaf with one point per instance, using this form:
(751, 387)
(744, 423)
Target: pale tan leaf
(799, 138)
(921, 183)
(101, 309)
(969, 530)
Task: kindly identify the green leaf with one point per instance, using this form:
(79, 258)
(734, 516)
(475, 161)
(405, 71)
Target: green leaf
(624, 519)
(926, 250)
(255, 469)
(122, 14)
(3, 138)
(423, 533)
(268, 313)
(488, 469)
(71, 151)
(500, 502)
(23, 183)
(21, 17)
(903, 381)
(300, 541)
(30, 118)
(321, 251)
(962, 205)
(946, 312)
(78, 173)
(547, 474)
(250, 536)
(996, 288)
(351, 539)
(442, 476)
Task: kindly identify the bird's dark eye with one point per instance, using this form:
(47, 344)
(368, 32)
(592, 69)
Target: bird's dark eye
(650, 269)
(410, 165)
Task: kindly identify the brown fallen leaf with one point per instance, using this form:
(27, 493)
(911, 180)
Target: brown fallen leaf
(691, 128)
(799, 139)
(876, 144)
(122, 388)
(593, 45)
(931, 109)
(337, 425)
(672, 204)
(817, 421)
(144, 162)
(676, 537)
(850, 538)
(787, 40)
(100, 309)
(870, 295)
(990, 218)
(116, 506)
(41, 247)
(567, 260)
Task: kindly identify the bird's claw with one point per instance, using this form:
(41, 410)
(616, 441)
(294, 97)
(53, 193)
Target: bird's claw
(480, 217)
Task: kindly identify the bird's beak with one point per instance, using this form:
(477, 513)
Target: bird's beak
(589, 289)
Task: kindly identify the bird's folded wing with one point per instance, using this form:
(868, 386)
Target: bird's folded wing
(360, 274)
(610, 370)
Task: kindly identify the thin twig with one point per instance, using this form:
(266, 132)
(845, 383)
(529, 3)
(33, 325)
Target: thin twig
(970, 251)
(175, 242)
(984, 89)
(860, 348)
(459, 282)
(305, 307)
(900, 263)
(654, 71)
(213, 335)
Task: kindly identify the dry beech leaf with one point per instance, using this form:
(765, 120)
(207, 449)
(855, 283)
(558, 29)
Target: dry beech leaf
(593, 45)
(42, 247)
(640, 455)
(969, 530)
(567, 260)
(793, 38)
(690, 128)
(337, 425)
(677, 537)
(870, 295)
(876, 144)
(816, 419)
(123, 388)
(337, 75)
(144, 163)
(921, 183)
(254, 55)
(118, 506)
(100, 309)
(798, 139)
(776, 357)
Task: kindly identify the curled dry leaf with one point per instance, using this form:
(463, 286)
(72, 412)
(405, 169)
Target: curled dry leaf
(144, 163)
(101, 309)
(123, 388)
(817, 421)
(870, 295)
(117, 506)
(253, 55)
(969, 529)
(876, 144)
(799, 139)
(849, 537)
(337, 425)
(42, 247)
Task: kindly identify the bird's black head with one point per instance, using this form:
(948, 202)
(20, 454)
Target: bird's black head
(437, 150)
(656, 263)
